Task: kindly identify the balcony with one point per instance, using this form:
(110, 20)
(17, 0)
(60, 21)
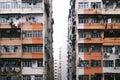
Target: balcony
(111, 6)
(10, 51)
(111, 41)
(10, 36)
(32, 51)
(10, 67)
(93, 40)
(89, 7)
(21, 7)
(92, 11)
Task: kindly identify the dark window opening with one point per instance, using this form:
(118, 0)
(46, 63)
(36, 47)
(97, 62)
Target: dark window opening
(83, 48)
(95, 63)
(96, 34)
(108, 63)
(83, 77)
(96, 77)
(112, 34)
(83, 20)
(117, 62)
(10, 33)
(96, 48)
(83, 63)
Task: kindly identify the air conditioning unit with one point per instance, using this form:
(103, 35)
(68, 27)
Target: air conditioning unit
(109, 20)
(17, 69)
(106, 55)
(13, 69)
(113, 49)
(2, 69)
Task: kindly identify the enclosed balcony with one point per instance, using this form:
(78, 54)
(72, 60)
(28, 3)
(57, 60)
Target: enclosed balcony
(7, 51)
(92, 49)
(111, 6)
(112, 37)
(24, 6)
(89, 7)
(90, 22)
(32, 51)
(10, 33)
(10, 36)
(93, 36)
(111, 76)
(32, 37)
(10, 66)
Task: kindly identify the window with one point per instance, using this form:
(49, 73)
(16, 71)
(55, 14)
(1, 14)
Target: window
(3, 78)
(83, 48)
(96, 5)
(108, 63)
(27, 63)
(3, 20)
(96, 34)
(26, 5)
(26, 77)
(9, 78)
(83, 5)
(112, 34)
(15, 5)
(118, 4)
(31, 34)
(10, 49)
(83, 20)
(117, 62)
(107, 49)
(83, 77)
(118, 20)
(10, 63)
(95, 20)
(32, 48)
(83, 63)
(40, 63)
(96, 48)
(38, 77)
(37, 5)
(108, 5)
(83, 34)
(96, 77)
(95, 63)
(109, 76)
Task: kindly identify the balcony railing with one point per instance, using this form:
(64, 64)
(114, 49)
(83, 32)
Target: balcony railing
(19, 6)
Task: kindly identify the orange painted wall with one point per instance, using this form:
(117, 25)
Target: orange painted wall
(92, 11)
(37, 55)
(37, 26)
(37, 40)
(93, 56)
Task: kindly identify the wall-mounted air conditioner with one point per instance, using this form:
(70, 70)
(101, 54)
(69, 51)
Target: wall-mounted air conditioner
(109, 20)
(106, 55)
(113, 49)
(17, 69)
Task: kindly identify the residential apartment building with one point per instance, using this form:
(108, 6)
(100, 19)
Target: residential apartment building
(56, 67)
(94, 40)
(63, 62)
(26, 51)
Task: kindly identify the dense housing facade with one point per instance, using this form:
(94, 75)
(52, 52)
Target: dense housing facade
(26, 51)
(94, 40)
